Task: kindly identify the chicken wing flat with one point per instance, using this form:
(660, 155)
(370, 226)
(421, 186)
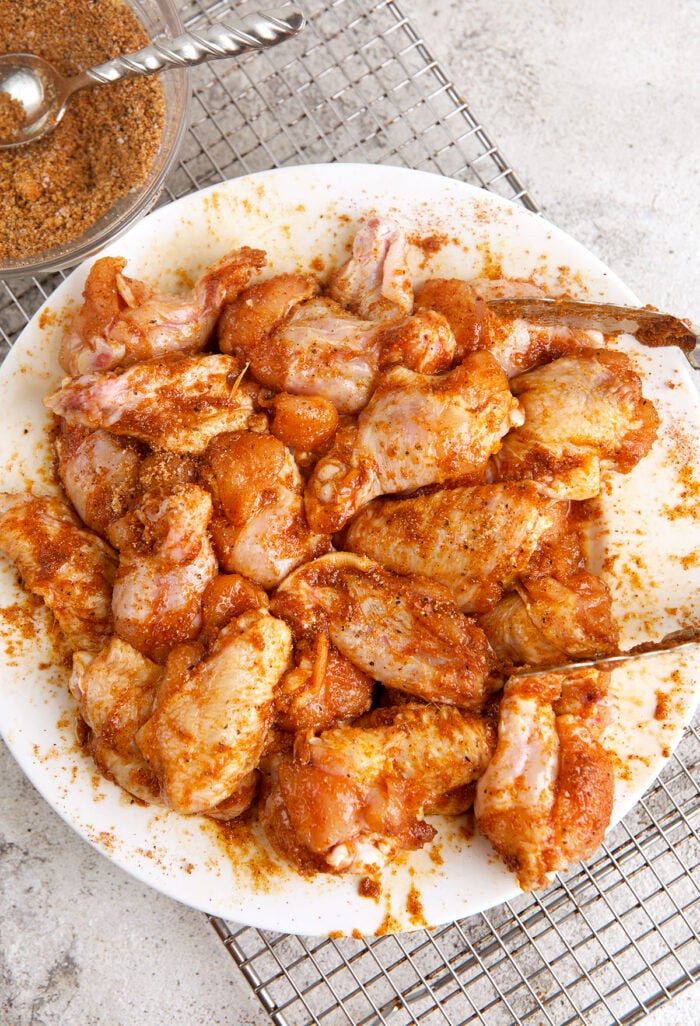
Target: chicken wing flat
(211, 712)
(247, 322)
(546, 797)
(115, 690)
(349, 799)
(69, 567)
(417, 430)
(122, 321)
(177, 404)
(477, 541)
(406, 632)
(583, 413)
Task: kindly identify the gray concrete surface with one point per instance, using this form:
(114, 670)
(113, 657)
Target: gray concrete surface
(596, 106)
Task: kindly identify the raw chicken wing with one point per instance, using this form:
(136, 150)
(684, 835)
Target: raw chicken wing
(122, 321)
(349, 799)
(583, 413)
(322, 689)
(115, 691)
(177, 404)
(69, 567)
(212, 712)
(476, 541)
(546, 797)
(417, 430)
(547, 620)
(518, 345)
(99, 473)
(247, 322)
(260, 528)
(165, 562)
(406, 632)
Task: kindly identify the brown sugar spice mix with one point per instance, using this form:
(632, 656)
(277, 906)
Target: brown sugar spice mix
(53, 190)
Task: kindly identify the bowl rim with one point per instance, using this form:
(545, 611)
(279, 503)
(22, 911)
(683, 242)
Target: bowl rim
(65, 256)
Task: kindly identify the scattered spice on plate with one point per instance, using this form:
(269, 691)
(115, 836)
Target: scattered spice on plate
(58, 187)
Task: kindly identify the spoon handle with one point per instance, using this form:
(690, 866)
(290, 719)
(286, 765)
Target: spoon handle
(252, 32)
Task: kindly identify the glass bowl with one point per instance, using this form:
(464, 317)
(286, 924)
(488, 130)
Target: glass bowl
(160, 19)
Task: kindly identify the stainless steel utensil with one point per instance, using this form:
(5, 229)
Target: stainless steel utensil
(39, 95)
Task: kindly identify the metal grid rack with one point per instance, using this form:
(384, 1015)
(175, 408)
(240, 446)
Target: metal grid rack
(611, 940)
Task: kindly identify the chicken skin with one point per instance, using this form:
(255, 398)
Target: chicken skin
(583, 413)
(476, 541)
(417, 430)
(406, 632)
(178, 405)
(259, 528)
(122, 321)
(212, 711)
(375, 283)
(166, 561)
(546, 797)
(115, 690)
(67, 566)
(99, 473)
(349, 799)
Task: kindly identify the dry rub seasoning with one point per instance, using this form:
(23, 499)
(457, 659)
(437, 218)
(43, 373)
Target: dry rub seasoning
(53, 190)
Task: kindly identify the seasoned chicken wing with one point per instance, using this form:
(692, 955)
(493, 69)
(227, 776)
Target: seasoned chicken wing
(247, 322)
(318, 349)
(417, 430)
(115, 691)
(349, 799)
(375, 282)
(321, 349)
(122, 321)
(546, 620)
(212, 712)
(165, 562)
(69, 567)
(546, 797)
(583, 413)
(259, 529)
(517, 344)
(176, 404)
(406, 632)
(322, 689)
(99, 472)
(476, 541)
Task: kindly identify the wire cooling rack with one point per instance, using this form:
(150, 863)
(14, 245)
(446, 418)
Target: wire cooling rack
(611, 940)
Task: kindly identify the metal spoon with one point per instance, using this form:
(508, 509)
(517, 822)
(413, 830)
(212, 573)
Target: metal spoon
(37, 90)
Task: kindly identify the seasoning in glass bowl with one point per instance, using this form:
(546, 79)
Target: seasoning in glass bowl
(56, 188)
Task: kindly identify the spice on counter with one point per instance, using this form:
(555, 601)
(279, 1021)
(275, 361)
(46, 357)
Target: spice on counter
(53, 190)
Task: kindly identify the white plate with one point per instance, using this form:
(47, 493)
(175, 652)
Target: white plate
(305, 218)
